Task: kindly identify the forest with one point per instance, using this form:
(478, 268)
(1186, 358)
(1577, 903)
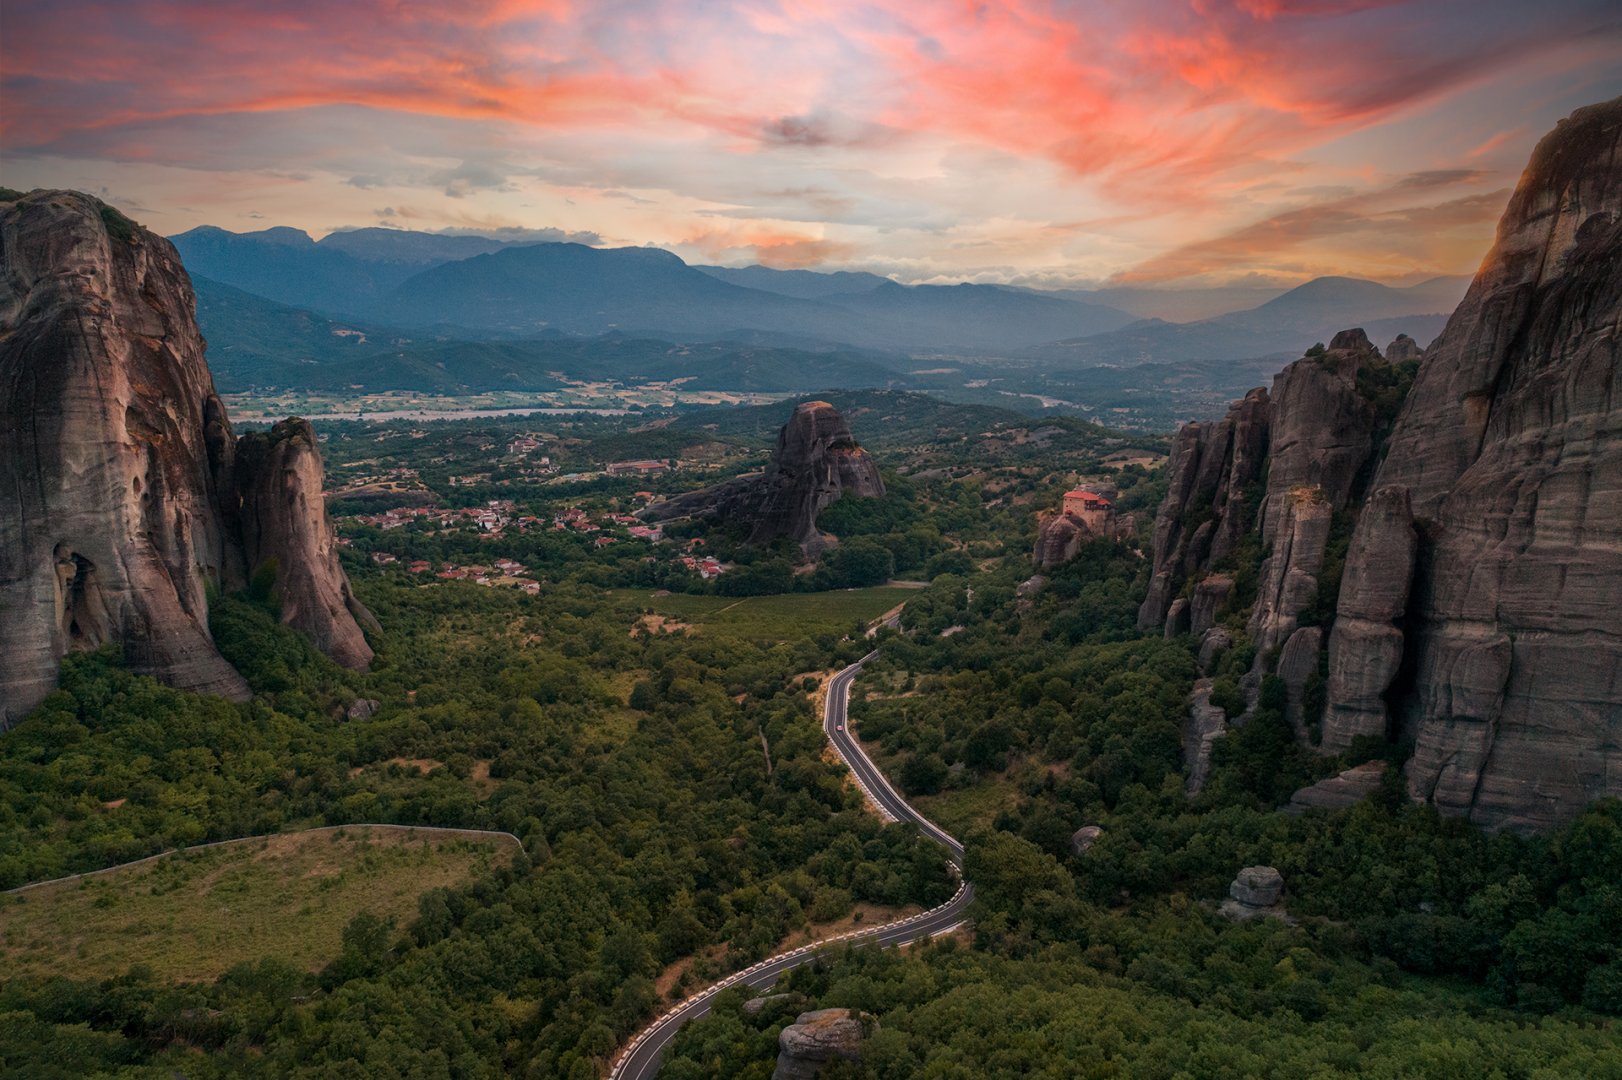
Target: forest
(679, 818)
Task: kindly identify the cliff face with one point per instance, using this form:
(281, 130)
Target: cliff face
(284, 526)
(117, 462)
(1477, 611)
(815, 463)
(1508, 454)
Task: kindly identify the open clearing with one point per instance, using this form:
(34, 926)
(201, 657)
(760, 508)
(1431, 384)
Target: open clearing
(780, 617)
(195, 914)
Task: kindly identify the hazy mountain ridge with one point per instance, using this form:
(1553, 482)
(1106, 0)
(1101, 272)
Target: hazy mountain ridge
(1287, 324)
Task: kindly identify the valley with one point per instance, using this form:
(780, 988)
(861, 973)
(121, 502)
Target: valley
(805, 542)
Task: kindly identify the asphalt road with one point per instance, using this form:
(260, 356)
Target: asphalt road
(646, 1052)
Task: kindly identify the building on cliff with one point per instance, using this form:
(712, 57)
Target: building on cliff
(1091, 509)
(1083, 515)
(127, 496)
(1439, 564)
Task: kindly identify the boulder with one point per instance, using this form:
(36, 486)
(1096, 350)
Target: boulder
(123, 480)
(1084, 838)
(818, 1037)
(1257, 886)
(362, 708)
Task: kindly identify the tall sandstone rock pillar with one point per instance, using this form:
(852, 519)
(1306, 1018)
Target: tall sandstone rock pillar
(1508, 452)
(118, 468)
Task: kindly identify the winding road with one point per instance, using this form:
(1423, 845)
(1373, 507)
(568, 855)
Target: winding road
(645, 1053)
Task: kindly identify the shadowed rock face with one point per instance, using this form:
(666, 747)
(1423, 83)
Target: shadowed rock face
(1478, 607)
(1509, 452)
(816, 462)
(119, 473)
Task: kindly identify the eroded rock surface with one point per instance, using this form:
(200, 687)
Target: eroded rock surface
(118, 466)
(816, 462)
(1509, 448)
(818, 1037)
(1339, 792)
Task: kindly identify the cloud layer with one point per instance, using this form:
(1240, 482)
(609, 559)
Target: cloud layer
(1169, 142)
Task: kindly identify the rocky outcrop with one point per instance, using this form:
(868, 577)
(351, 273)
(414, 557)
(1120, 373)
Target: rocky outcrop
(1365, 648)
(1204, 725)
(1058, 538)
(118, 466)
(815, 463)
(1479, 584)
(284, 528)
(1501, 653)
(1402, 350)
(1282, 464)
(1297, 664)
(1210, 598)
(1206, 512)
(1342, 791)
(1323, 439)
(818, 1037)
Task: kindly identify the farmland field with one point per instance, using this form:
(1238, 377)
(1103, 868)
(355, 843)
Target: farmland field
(194, 914)
(787, 615)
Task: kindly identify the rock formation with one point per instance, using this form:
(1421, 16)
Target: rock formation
(1207, 510)
(1500, 651)
(1403, 349)
(1255, 893)
(1341, 791)
(1083, 839)
(1058, 538)
(127, 495)
(816, 1038)
(815, 463)
(1481, 576)
(1257, 886)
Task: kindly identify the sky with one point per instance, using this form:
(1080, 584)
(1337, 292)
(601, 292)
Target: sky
(1039, 142)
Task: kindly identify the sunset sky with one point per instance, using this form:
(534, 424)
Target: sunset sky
(1176, 143)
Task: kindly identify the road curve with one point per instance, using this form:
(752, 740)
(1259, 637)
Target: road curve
(643, 1057)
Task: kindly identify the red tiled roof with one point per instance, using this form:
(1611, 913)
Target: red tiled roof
(1082, 494)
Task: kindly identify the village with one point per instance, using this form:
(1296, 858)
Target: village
(501, 517)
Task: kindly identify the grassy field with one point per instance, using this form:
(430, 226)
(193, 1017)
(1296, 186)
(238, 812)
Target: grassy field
(194, 915)
(784, 616)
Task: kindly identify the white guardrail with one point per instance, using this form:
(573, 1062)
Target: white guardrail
(739, 976)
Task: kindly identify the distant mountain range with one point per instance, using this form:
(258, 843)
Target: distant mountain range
(423, 279)
(437, 290)
(1285, 325)
(256, 343)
